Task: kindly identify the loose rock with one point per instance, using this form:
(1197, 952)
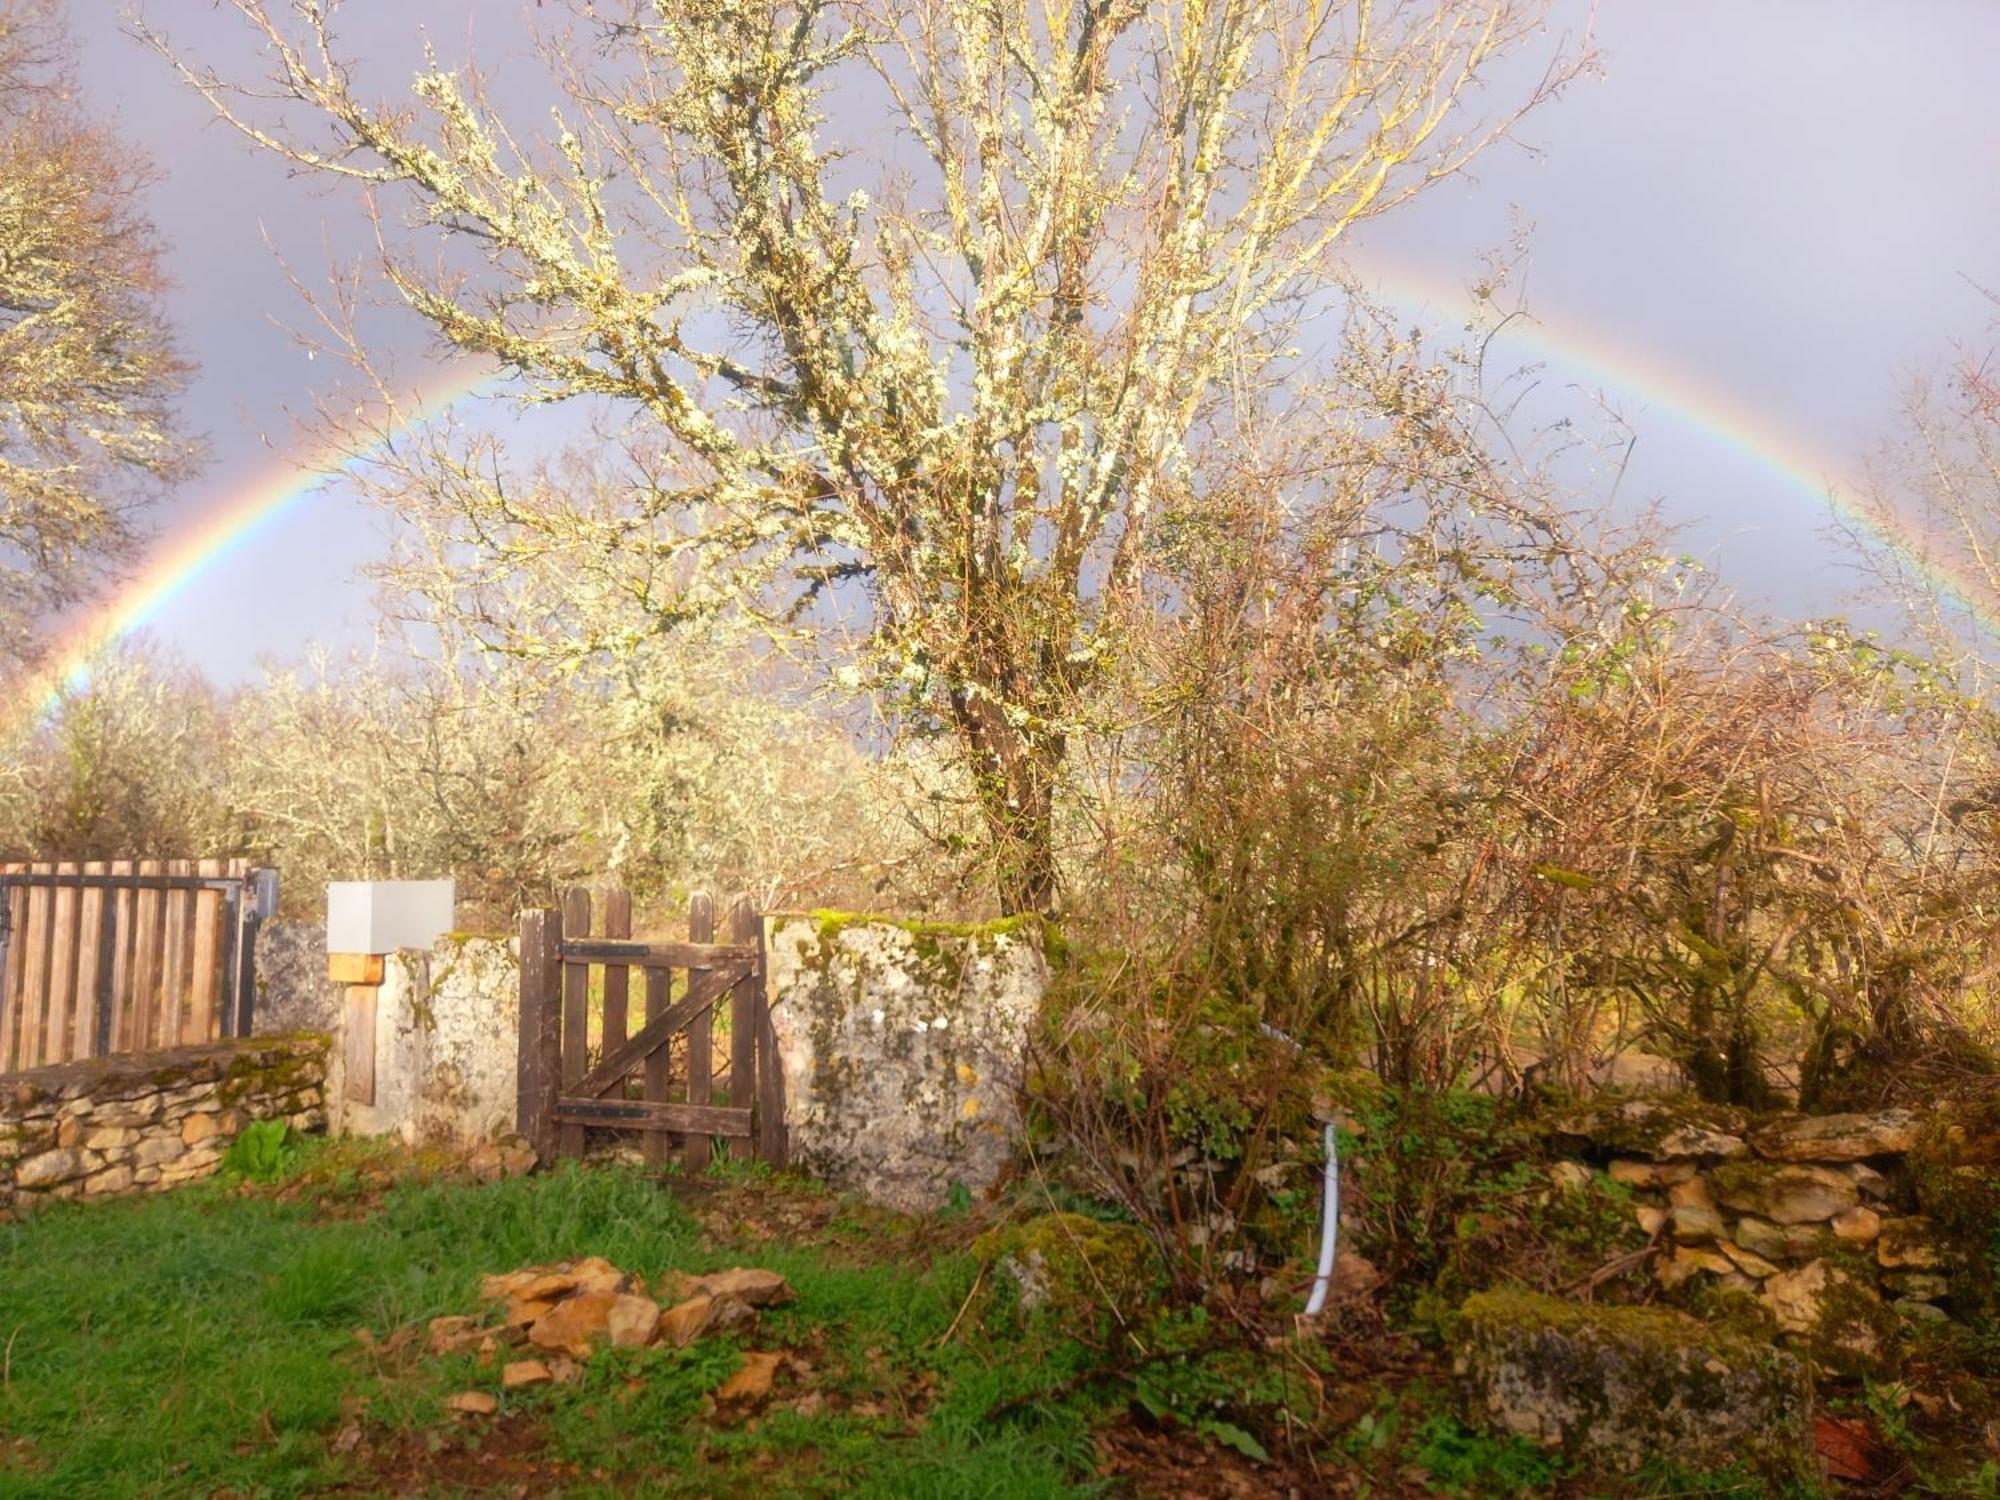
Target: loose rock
(574, 1324)
(1838, 1138)
(1857, 1226)
(521, 1373)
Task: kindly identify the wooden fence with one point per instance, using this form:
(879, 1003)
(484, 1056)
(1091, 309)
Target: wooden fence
(124, 956)
(584, 1066)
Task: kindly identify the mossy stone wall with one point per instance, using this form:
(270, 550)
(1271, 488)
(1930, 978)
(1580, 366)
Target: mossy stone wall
(903, 1046)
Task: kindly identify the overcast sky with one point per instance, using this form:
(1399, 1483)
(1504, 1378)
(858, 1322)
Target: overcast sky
(1784, 202)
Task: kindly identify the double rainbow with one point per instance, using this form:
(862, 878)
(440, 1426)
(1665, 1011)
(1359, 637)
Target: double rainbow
(266, 502)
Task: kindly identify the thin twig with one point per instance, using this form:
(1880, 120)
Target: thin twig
(945, 1337)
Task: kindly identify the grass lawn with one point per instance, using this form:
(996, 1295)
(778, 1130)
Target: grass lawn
(239, 1340)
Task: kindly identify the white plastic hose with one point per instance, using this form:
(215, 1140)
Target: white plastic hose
(1329, 1231)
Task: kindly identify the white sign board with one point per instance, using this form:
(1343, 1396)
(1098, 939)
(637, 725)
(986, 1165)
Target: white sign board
(380, 916)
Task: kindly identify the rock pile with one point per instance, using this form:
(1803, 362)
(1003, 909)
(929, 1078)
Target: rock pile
(550, 1318)
(1798, 1211)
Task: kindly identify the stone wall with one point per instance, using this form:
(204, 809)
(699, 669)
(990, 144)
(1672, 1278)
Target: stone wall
(138, 1123)
(446, 1046)
(903, 1046)
(1814, 1216)
(293, 992)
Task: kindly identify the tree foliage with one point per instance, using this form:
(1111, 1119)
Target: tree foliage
(88, 370)
(946, 303)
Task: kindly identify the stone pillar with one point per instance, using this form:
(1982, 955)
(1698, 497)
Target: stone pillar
(903, 1046)
(442, 1042)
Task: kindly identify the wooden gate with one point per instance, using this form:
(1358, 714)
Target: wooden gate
(583, 1065)
(125, 956)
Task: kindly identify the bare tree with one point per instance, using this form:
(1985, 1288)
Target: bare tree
(88, 371)
(940, 302)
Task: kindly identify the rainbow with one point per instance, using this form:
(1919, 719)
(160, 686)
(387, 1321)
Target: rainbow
(226, 528)
(1724, 418)
(265, 502)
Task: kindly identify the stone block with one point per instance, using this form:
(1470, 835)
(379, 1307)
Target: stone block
(1617, 1386)
(1784, 1193)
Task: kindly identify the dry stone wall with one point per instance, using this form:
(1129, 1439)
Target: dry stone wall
(141, 1123)
(1814, 1216)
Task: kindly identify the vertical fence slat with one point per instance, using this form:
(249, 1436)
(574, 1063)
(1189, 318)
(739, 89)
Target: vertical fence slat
(658, 1071)
(575, 1012)
(180, 957)
(700, 1036)
(10, 969)
(92, 970)
(617, 977)
(150, 915)
(62, 969)
(204, 972)
(35, 989)
(104, 1002)
(127, 912)
(540, 1034)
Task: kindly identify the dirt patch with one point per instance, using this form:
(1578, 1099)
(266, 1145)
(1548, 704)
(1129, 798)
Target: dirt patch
(1164, 1464)
(507, 1455)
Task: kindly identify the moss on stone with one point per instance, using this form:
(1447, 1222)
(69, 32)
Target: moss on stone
(291, 1063)
(1636, 1125)
(1074, 1263)
(1517, 1307)
(833, 923)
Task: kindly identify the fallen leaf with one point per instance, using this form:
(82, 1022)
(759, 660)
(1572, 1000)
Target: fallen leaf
(1848, 1448)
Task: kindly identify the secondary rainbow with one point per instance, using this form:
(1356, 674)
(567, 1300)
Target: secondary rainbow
(1712, 410)
(261, 504)
(1721, 416)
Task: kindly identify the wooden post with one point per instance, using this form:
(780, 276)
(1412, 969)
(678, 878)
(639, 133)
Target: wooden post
(540, 1029)
(357, 1032)
(700, 1035)
(773, 1142)
(741, 926)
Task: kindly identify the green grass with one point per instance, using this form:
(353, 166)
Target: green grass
(202, 1341)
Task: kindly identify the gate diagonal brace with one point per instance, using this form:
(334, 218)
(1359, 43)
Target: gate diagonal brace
(710, 986)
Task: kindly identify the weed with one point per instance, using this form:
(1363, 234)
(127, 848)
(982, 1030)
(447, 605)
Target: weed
(1466, 1462)
(260, 1153)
